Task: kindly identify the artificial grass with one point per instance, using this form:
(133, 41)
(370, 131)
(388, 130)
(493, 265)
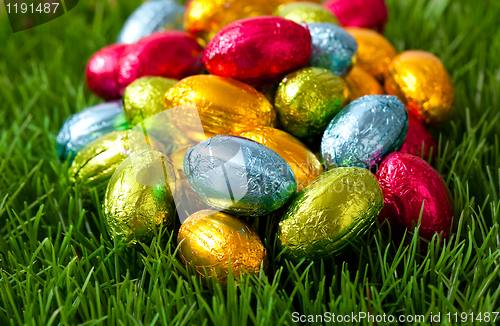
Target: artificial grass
(58, 265)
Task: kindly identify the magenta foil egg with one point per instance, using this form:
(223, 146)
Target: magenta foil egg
(419, 141)
(360, 13)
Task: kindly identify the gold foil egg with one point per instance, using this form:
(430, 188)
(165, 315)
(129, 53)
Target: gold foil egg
(138, 198)
(362, 83)
(305, 165)
(375, 52)
(421, 82)
(210, 241)
(308, 99)
(305, 12)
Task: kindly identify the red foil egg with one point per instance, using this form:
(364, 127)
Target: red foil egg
(417, 138)
(258, 50)
(102, 71)
(408, 182)
(170, 54)
(360, 13)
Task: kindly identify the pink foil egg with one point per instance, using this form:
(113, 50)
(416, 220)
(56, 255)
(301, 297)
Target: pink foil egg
(408, 182)
(417, 138)
(171, 54)
(360, 13)
(102, 71)
(258, 50)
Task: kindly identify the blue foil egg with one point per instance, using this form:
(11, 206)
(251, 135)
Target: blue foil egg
(150, 17)
(239, 176)
(365, 131)
(85, 126)
(332, 48)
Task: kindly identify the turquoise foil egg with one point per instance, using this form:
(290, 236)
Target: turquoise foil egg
(365, 131)
(332, 48)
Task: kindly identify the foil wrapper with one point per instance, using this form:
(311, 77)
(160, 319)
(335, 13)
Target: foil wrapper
(307, 12)
(85, 126)
(305, 165)
(213, 242)
(419, 79)
(375, 52)
(412, 188)
(337, 209)
(360, 13)
(138, 197)
(239, 176)
(364, 132)
(332, 48)
(419, 141)
(308, 99)
(362, 83)
(102, 71)
(258, 50)
(150, 17)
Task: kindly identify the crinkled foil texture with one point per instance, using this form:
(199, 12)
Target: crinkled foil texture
(85, 126)
(332, 48)
(210, 241)
(138, 198)
(420, 80)
(419, 141)
(362, 83)
(336, 210)
(411, 186)
(307, 12)
(361, 13)
(239, 176)
(308, 99)
(258, 50)
(364, 132)
(149, 17)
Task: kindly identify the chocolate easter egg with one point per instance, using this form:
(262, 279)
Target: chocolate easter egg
(337, 209)
(419, 141)
(362, 83)
(307, 12)
(365, 131)
(258, 50)
(360, 13)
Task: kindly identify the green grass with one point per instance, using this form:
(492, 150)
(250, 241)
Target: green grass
(58, 265)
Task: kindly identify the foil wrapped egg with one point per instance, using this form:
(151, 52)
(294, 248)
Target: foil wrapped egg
(213, 242)
(307, 12)
(138, 198)
(305, 165)
(336, 210)
(150, 17)
(170, 54)
(362, 83)
(421, 81)
(239, 176)
(332, 48)
(85, 126)
(102, 71)
(375, 52)
(258, 50)
(364, 132)
(419, 141)
(412, 188)
(308, 99)
(360, 13)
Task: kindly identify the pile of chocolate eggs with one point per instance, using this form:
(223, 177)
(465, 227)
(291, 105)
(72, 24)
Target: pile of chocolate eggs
(224, 111)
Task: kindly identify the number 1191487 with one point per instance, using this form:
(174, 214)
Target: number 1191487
(31, 8)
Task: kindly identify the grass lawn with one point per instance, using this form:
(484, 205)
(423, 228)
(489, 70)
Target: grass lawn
(58, 265)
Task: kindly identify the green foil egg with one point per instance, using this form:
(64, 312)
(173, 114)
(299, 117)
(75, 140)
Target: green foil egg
(308, 99)
(337, 209)
(308, 12)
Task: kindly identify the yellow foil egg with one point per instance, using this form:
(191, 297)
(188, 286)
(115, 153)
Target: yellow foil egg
(421, 82)
(375, 52)
(305, 165)
(362, 83)
(305, 12)
(210, 241)
(224, 105)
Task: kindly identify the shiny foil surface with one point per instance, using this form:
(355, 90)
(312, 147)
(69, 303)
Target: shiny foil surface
(239, 176)
(308, 99)
(420, 80)
(375, 52)
(305, 166)
(360, 13)
(210, 241)
(419, 141)
(138, 199)
(332, 48)
(307, 12)
(170, 54)
(150, 17)
(362, 83)
(336, 210)
(408, 183)
(225, 106)
(102, 71)
(364, 132)
(85, 126)
(258, 50)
